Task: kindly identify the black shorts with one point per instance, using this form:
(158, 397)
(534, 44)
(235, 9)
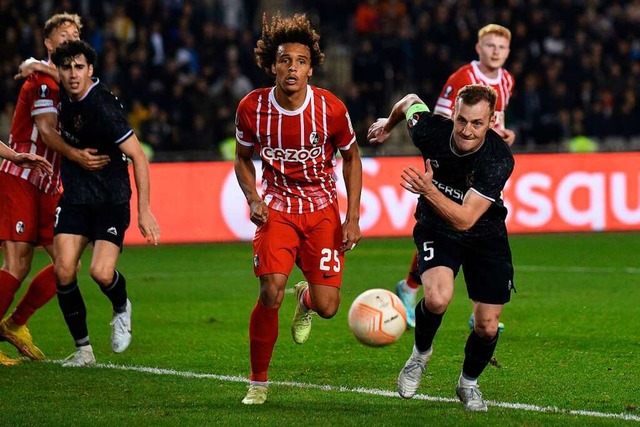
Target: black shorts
(95, 222)
(487, 264)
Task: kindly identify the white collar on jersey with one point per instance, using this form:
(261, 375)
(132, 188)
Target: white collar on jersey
(89, 90)
(272, 99)
(484, 77)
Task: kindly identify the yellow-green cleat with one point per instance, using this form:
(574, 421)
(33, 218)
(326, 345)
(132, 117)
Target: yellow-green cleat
(7, 361)
(301, 325)
(20, 337)
(256, 395)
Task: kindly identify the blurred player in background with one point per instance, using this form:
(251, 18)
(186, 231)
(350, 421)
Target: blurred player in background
(94, 207)
(297, 130)
(29, 198)
(493, 50)
(460, 223)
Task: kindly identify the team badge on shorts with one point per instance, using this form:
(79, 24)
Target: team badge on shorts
(256, 261)
(19, 227)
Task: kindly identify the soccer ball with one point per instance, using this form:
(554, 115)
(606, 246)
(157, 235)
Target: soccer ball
(377, 317)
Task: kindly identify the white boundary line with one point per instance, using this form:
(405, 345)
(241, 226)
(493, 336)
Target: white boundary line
(361, 390)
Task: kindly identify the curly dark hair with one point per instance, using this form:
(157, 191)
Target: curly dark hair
(296, 29)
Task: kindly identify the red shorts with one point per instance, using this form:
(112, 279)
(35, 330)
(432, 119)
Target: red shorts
(27, 214)
(310, 240)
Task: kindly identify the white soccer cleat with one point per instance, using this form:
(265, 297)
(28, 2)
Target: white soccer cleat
(471, 398)
(411, 375)
(121, 330)
(82, 357)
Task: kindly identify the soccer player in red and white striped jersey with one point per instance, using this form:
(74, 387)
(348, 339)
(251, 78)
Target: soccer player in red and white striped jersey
(29, 198)
(297, 130)
(493, 50)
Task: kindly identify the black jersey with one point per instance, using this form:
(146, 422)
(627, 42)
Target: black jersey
(96, 121)
(484, 171)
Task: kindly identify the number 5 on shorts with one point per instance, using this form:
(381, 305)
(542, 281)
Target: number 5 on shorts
(428, 251)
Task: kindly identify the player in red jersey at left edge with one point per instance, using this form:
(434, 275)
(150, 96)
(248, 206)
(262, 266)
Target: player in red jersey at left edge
(297, 129)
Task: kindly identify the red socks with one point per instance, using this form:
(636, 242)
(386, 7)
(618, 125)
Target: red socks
(9, 285)
(263, 333)
(306, 300)
(413, 273)
(41, 289)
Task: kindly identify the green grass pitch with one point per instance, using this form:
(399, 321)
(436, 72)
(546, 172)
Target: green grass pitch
(569, 355)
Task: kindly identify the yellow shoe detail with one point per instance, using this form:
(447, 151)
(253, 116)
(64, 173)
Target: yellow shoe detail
(20, 337)
(256, 395)
(301, 326)
(7, 361)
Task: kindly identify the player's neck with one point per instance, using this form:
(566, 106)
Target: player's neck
(492, 73)
(291, 101)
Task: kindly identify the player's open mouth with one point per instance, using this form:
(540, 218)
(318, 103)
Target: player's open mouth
(291, 80)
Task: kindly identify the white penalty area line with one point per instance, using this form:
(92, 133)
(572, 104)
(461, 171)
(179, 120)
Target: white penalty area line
(361, 390)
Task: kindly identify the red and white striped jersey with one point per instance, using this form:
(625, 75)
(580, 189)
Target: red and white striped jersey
(471, 74)
(39, 95)
(297, 148)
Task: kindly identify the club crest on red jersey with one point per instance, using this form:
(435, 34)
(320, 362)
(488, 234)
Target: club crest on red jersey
(19, 227)
(314, 138)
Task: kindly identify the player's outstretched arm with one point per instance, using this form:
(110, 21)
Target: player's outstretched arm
(380, 130)
(26, 160)
(146, 221)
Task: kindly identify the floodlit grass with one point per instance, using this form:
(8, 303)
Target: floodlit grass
(571, 342)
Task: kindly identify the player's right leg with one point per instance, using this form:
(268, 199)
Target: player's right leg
(68, 248)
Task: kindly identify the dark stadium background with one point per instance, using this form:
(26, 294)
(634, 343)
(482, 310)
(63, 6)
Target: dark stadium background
(181, 66)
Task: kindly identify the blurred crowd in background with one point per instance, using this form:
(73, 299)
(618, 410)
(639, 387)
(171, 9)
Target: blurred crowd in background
(181, 66)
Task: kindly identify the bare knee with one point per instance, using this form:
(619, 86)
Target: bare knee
(103, 276)
(486, 328)
(327, 309)
(272, 292)
(65, 273)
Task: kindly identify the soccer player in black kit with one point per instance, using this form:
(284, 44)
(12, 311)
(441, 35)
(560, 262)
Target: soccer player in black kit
(460, 222)
(95, 205)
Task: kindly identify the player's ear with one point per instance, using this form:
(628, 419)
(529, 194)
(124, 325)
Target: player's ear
(273, 68)
(90, 71)
(310, 72)
(492, 121)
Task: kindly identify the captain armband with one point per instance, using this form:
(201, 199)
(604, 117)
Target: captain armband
(416, 108)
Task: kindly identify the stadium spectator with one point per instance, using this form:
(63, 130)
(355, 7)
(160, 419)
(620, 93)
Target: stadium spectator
(601, 45)
(460, 222)
(94, 207)
(296, 129)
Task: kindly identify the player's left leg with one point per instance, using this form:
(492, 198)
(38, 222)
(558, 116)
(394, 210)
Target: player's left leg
(478, 353)
(114, 285)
